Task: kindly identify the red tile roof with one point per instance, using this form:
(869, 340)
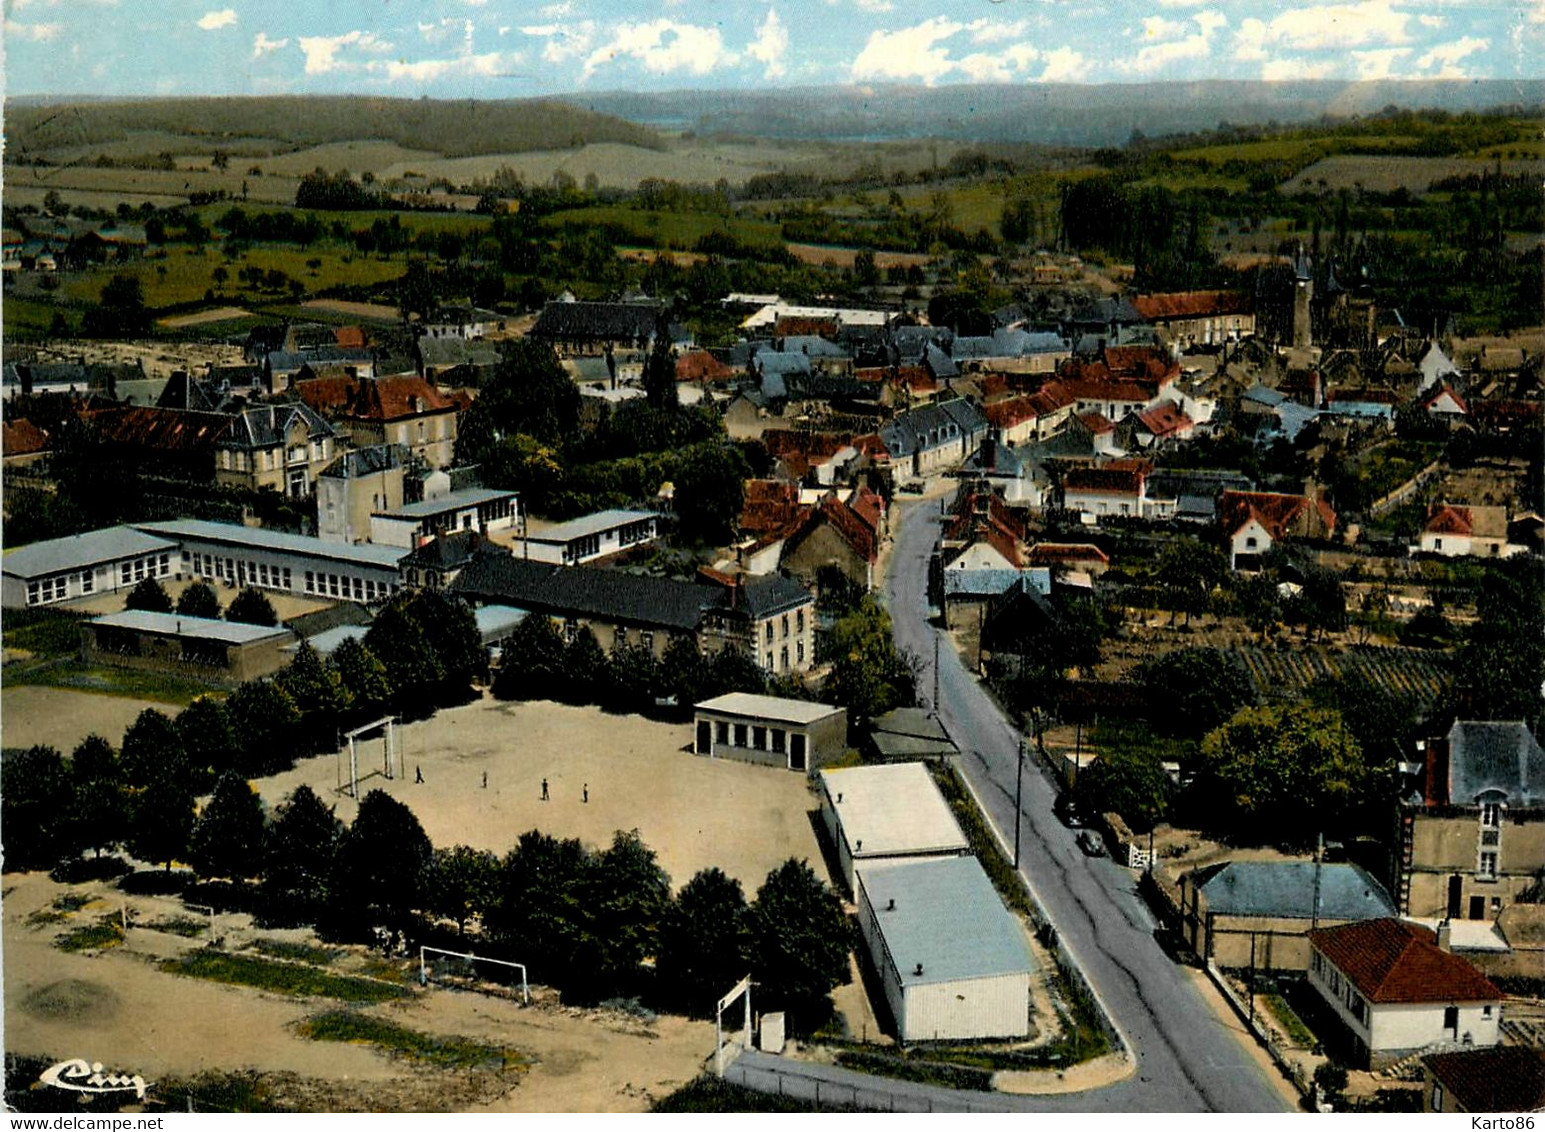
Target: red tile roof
(1390, 961)
(1097, 423)
(1107, 480)
(1050, 399)
(700, 365)
(1007, 414)
(1495, 1079)
(1191, 304)
(1102, 389)
(805, 327)
(853, 530)
(770, 505)
(22, 438)
(380, 399)
(1165, 419)
(1363, 396)
(350, 337)
(168, 430)
(869, 506)
(1449, 389)
(1281, 515)
(1446, 519)
(1066, 554)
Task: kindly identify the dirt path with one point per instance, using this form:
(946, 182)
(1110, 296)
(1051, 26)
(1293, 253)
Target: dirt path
(61, 718)
(216, 314)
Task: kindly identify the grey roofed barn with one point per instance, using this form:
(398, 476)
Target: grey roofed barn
(947, 920)
(180, 625)
(1286, 890)
(1494, 758)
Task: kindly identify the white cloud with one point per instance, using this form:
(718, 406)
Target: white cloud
(1323, 27)
(321, 51)
(427, 70)
(1446, 56)
(661, 47)
(994, 31)
(1380, 63)
(438, 30)
(1183, 3)
(36, 33)
(1064, 65)
(22, 5)
(1171, 48)
(213, 21)
(770, 45)
(262, 45)
(564, 42)
(874, 5)
(1431, 21)
(1286, 70)
(557, 11)
(911, 53)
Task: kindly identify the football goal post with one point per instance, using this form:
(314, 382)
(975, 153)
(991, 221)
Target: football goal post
(391, 756)
(471, 960)
(742, 988)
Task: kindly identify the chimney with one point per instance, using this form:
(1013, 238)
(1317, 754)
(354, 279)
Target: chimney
(890, 905)
(918, 970)
(1445, 935)
(1436, 793)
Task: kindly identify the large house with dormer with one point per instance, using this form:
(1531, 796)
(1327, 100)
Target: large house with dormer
(279, 448)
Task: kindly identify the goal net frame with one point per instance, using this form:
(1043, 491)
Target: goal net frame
(742, 988)
(423, 966)
(391, 753)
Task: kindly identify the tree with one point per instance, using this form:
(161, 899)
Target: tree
(462, 884)
(319, 696)
(868, 676)
(660, 373)
(153, 750)
(632, 680)
(1190, 692)
(1188, 571)
(161, 821)
(35, 796)
(412, 668)
(299, 850)
(1256, 599)
(627, 894)
(531, 393)
(263, 719)
(150, 597)
(99, 803)
(705, 942)
(364, 679)
(383, 865)
(533, 663)
(541, 911)
(586, 668)
(450, 629)
(252, 607)
(198, 600)
(1129, 781)
(121, 311)
(710, 493)
(800, 944)
(1281, 774)
(208, 742)
(227, 839)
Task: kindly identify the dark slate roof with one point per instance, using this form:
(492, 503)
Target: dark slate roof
(456, 352)
(1498, 1079)
(367, 461)
(1502, 758)
(813, 346)
(264, 426)
(596, 320)
(770, 362)
(182, 391)
(279, 361)
(452, 550)
(1285, 889)
(931, 426)
(1102, 312)
(771, 594)
(939, 363)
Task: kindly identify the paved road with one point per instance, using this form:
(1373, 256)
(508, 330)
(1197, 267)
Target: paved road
(1187, 1059)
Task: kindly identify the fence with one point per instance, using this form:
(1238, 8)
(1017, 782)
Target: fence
(1293, 1072)
(788, 1079)
(1404, 492)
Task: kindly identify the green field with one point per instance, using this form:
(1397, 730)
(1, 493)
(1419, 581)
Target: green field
(284, 978)
(681, 230)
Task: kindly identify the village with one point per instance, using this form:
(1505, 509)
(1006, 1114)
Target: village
(972, 680)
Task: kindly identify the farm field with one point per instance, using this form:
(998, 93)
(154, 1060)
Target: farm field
(135, 185)
(1385, 174)
(671, 229)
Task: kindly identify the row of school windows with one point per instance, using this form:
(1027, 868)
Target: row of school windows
(240, 571)
(345, 586)
(755, 737)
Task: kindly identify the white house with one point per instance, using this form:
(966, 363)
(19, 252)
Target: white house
(590, 537)
(471, 509)
(1395, 991)
(770, 730)
(891, 812)
(954, 962)
(1456, 532)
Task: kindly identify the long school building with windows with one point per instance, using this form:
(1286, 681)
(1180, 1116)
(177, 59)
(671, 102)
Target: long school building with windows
(103, 561)
(276, 560)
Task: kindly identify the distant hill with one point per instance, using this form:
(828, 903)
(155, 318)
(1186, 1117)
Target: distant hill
(1046, 114)
(463, 128)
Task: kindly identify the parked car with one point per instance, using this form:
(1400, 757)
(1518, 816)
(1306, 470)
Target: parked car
(1066, 810)
(1090, 843)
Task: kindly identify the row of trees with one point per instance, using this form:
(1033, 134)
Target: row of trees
(539, 664)
(250, 607)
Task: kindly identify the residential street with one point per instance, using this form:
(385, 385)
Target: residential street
(1187, 1059)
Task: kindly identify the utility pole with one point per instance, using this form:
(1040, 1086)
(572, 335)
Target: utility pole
(1314, 911)
(1019, 783)
(936, 675)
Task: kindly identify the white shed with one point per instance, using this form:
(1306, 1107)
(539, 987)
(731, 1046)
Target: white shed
(954, 962)
(888, 812)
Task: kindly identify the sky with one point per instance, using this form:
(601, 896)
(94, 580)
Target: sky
(509, 49)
